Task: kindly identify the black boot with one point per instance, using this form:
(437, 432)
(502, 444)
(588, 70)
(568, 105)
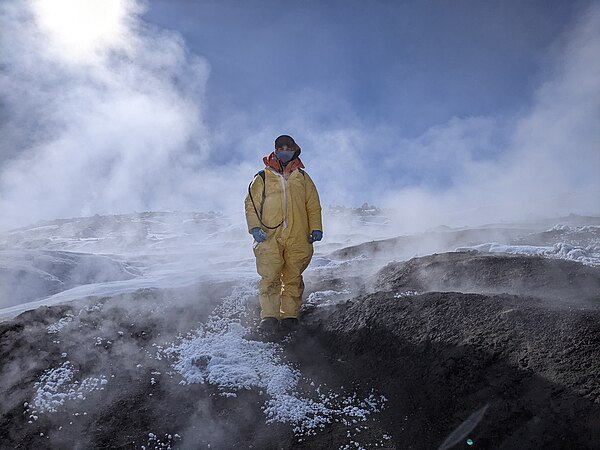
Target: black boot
(268, 325)
(289, 324)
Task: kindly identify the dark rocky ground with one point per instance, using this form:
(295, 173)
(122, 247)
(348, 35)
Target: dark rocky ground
(566, 282)
(440, 336)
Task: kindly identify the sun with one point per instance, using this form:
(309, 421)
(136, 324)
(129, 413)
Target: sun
(82, 29)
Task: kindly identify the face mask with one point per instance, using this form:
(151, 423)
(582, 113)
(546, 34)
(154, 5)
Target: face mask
(285, 156)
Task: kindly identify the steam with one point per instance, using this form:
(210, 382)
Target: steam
(540, 161)
(103, 113)
(112, 110)
(82, 32)
(549, 163)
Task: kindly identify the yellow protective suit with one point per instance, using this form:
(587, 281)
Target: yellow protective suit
(287, 251)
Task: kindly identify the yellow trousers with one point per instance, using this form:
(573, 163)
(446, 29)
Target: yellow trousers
(280, 265)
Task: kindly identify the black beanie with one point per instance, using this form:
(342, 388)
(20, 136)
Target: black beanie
(284, 139)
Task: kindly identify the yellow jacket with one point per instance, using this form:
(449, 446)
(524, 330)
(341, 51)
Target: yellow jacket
(292, 202)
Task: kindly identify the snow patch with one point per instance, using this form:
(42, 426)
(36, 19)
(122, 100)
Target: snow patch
(406, 294)
(219, 354)
(56, 386)
(326, 298)
(589, 255)
(571, 229)
(560, 227)
(155, 442)
(57, 326)
(321, 262)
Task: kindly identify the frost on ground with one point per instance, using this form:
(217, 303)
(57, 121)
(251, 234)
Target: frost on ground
(218, 354)
(580, 244)
(326, 298)
(589, 255)
(589, 233)
(406, 294)
(155, 442)
(56, 386)
(54, 328)
(326, 263)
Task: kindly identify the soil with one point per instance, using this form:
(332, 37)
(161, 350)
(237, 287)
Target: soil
(518, 334)
(565, 282)
(441, 356)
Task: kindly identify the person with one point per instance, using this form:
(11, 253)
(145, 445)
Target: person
(283, 213)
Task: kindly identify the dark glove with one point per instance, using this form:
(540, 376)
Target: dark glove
(315, 236)
(258, 234)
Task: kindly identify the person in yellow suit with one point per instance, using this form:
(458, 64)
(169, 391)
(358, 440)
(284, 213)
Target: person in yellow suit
(283, 213)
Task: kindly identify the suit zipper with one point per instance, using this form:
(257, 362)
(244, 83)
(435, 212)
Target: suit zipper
(284, 203)
(284, 199)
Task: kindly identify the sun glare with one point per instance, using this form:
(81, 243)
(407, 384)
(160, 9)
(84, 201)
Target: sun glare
(81, 29)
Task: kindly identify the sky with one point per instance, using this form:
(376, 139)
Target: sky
(445, 112)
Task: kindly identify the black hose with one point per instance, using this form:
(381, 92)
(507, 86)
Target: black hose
(256, 211)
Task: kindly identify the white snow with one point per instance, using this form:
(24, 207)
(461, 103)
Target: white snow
(160, 277)
(332, 263)
(589, 255)
(219, 354)
(406, 294)
(155, 442)
(327, 297)
(560, 227)
(56, 386)
(572, 229)
(151, 250)
(502, 248)
(54, 328)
